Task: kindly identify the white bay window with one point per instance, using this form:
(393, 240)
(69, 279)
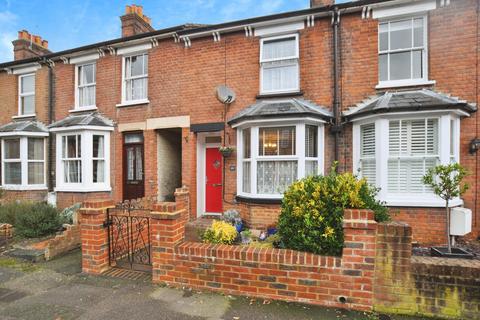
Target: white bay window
(83, 161)
(272, 157)
(394, 153)
(279, 64)
(23, 163)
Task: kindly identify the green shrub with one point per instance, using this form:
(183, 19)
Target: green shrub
(220, 232)
(312, 211)
(31, 219)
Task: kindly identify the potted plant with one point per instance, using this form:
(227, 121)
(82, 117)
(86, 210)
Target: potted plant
(446, 182)
(246, 236)
(226, 151)
(232, 216)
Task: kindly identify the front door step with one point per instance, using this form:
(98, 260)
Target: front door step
(128, 274)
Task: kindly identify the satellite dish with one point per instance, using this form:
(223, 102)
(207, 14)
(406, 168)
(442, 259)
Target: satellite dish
(225, 94)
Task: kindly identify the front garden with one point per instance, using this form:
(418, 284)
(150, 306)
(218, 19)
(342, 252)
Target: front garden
(311, 217)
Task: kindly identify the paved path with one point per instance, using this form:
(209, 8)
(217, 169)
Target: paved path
(57, 290)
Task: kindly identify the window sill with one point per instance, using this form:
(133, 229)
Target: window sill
(279, 94)
(83, 189)
(424, 202)
(33, 115)
(403, 83)
(24, 188)
(254, 200)
(83, 109)
(132, 103)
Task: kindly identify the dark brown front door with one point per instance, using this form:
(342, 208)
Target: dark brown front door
(133, 164)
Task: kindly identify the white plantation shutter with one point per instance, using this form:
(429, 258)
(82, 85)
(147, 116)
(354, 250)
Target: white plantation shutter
(413, 149)
(367, 152)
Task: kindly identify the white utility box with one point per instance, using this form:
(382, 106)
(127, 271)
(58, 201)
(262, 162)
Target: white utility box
(460, 221)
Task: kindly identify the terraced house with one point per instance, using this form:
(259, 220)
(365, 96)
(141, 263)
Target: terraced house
(386, 88)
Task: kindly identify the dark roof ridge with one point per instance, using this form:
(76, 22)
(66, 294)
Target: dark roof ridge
(189, 28)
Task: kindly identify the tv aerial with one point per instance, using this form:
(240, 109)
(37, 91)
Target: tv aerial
(225, 94)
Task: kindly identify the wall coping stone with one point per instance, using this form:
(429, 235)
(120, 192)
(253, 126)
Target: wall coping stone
(247, 253)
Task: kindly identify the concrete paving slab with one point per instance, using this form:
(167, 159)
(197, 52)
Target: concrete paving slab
(205, 305)
(37, 282)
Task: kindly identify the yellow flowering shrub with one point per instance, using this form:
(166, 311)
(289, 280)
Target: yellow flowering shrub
(312, 211)
(220, 232)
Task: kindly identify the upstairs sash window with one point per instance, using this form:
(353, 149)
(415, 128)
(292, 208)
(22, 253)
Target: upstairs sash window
(279, 62)
(136, 77)
(26, 92)
(402, 49)
(86, 85)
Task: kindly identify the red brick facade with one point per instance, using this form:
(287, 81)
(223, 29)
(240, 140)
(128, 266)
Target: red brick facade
(182, 82)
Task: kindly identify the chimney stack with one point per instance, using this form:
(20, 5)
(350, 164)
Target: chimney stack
(134, 21)
(29, 45)
(321, 3)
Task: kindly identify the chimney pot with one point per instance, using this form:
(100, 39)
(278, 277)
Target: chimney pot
(134, 21)
(321, 3)
(29, 45)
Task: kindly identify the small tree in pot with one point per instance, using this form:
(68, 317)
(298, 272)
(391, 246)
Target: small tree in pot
(446, 182)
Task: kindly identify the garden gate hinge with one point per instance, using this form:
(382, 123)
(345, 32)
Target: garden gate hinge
(107, 223)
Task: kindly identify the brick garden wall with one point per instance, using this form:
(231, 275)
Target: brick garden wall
(68, 240)
(272, 273)
(376, 270)
(448, 288)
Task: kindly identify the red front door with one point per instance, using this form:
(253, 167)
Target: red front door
(213, 181)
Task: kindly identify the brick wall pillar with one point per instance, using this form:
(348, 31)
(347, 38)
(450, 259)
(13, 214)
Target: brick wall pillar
(358, 257)
(94, 237)
(393, 292)
(167, 229)
(150, 155)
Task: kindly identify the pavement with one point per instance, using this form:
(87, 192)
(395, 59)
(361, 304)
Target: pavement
(57, 290)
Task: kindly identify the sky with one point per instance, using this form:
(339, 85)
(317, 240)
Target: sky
(70, 24)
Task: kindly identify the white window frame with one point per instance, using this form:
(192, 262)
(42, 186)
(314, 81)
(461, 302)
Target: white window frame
(78, 107)
(404, 82)
(445, 119)
(255, 157)
(126, 102)
(23, 160)
(86, 158)
(27, 94)
(296, 57)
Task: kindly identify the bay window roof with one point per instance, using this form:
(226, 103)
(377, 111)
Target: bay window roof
(290, 108)
(93, 119)
(408, 101)
(23, 127)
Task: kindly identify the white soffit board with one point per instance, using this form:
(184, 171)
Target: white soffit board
(168, 122)
(84, 58)
(133, 49)
(26, 69)
(279, 29)
(404, 9)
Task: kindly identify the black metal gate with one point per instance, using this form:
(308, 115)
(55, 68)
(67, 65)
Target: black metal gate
(129, 236)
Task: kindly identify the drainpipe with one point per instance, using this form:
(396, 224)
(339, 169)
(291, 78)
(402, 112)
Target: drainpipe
(51, 116)
(337, 121)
